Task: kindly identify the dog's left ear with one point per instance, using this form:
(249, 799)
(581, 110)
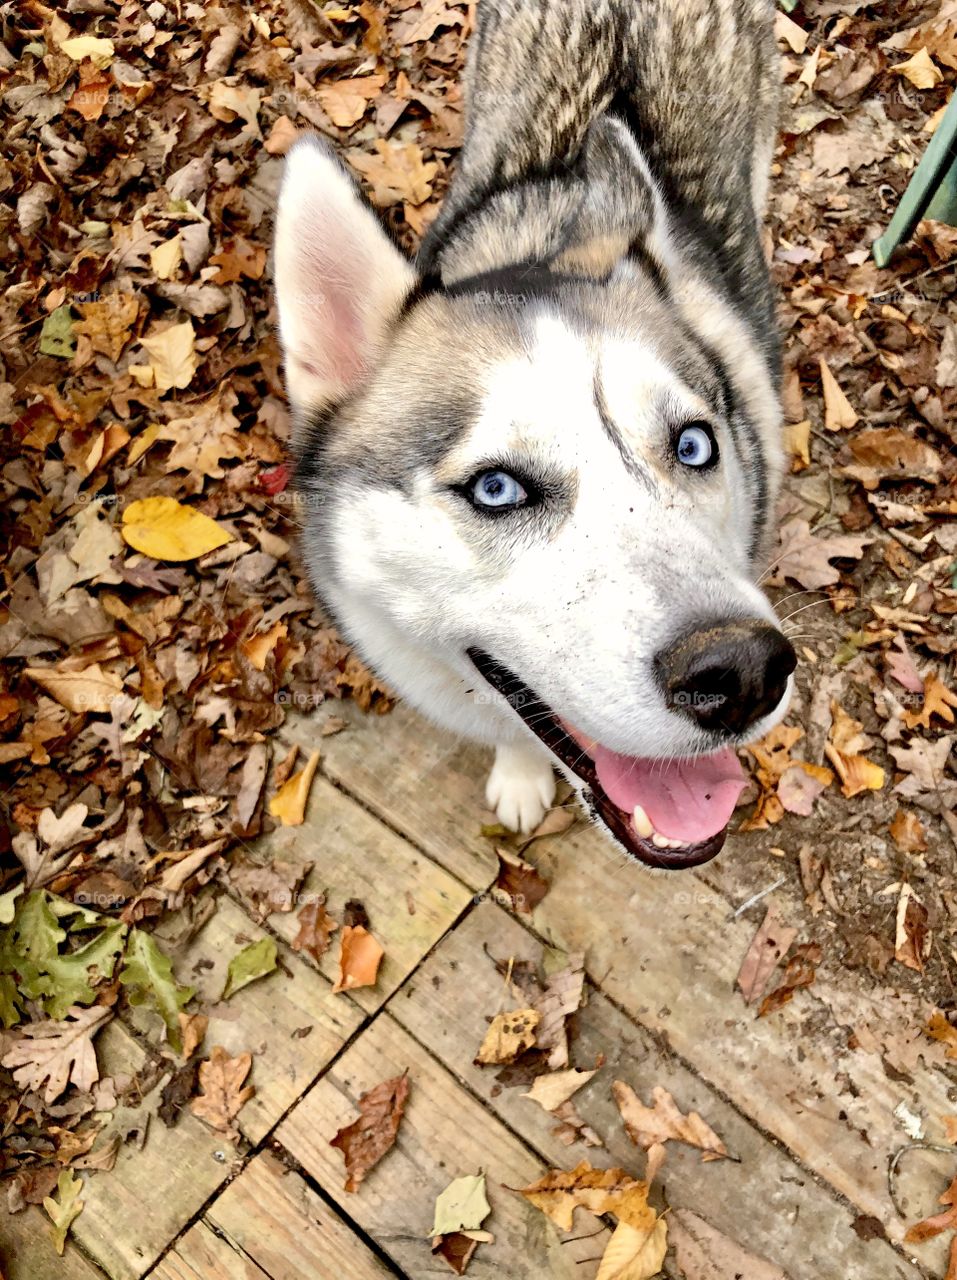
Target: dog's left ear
(339, 278)
(622, 207)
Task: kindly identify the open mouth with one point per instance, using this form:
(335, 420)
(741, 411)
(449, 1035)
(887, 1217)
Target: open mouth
(666, 814)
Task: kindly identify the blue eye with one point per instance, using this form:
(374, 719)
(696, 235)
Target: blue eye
(497, 489)
(696, 446)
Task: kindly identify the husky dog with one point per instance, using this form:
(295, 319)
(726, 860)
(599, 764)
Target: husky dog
(539, 463)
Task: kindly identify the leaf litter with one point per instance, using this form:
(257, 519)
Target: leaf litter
(155, 317)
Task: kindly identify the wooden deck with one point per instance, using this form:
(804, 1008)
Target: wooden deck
(394, 820)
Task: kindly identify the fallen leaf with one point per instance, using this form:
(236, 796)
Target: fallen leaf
(807, 559)
(938, 1028)
(397, 172)
(912, 940)
(771, 942)
(920, 70)
(938, 701)
(559, 1193)
(908, 833)
(99, 50)
(253, 962)
(555, 1087)
(224, 1095)
(800, 972)
(508, 1035)
(192, 1027)
(838, 413)
(148, 977)
(801, 784)
(167, 530)
(634, 1253)
(462, 1206)
(166, 257)
(289, 802)
(946, 1221)
(346, 101)
(64, 1211)
(316, 928)
(172, 354)
(364, 1142)
(663, 1121)
(561, 997)
(518, 882)
(359, 958)
(58, 1053)
(89, 690)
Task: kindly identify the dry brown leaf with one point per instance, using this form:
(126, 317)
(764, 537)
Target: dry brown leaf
(561, 997)
(938, 1028)
(801, 784)
(397, 172)
(289, 802)
(192, 1028)
(518, 882)
(938, 701)
(771, 942)
(509, 1035)
(663, 1122)
(316, 928)
(559, 1193)
(55, 1054)
(912, 939)
(359, 958)
(838, 413)
(908, 833)
(555, 1087)
(258, 647)
(224, 1095)
(364, 1142)
(856, 773)
(346, 101)
(807, 558)
(946, 1221)
(800, 972)
(920, 70)
(634, 1253)
(882, 453)
(89, 690)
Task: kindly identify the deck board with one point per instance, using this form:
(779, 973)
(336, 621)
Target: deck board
(445, 1133)
(664, 949)
(767, 1203)
(410, 900)
(27, 1252)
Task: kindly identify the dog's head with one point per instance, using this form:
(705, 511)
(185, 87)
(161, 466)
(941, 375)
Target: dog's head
(557, 479)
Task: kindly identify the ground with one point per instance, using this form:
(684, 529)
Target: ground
(182, 892)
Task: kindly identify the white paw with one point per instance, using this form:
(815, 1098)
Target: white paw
(520, 787)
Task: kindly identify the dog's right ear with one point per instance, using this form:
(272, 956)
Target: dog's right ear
(339, 278)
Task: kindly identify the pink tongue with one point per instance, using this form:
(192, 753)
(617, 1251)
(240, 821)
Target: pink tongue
(687, 800)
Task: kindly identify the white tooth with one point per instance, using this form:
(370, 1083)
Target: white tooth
(660, 842)
(642, 822)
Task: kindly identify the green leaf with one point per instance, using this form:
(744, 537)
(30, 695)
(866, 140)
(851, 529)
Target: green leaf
(56, 336)
(8, 907)
(253, 962)
(63, 1211)
(30, 951)
(9, 1011)
(462, 1206)
(148, 975)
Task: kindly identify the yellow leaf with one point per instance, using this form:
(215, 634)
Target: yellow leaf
(99, 51)
(166, 530)
(838, 414)
(508, 1035)
(91, 689)
(172, 356)
(143, 442)
(289, 802)
(921, 70)
(166, 257)
(797, 439)
(142, 374)
(634, 1253)
(258, 647)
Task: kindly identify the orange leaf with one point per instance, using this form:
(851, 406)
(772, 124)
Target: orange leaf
(289, 802)
(359, 958)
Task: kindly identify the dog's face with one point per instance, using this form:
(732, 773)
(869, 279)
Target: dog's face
(555, 494)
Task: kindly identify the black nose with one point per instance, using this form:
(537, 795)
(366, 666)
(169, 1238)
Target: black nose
(726, 675)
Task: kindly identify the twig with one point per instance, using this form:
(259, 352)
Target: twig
(896, 1159)
(756, 898)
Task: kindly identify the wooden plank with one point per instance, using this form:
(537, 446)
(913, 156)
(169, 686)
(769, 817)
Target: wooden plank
(271, 1217)
(135, 1210)
(410, 900)
(445, 1133)
(266, 1016)
(203, 1255)
(663, 948)
(769, 1205)
(27, 1252)
(393, 763)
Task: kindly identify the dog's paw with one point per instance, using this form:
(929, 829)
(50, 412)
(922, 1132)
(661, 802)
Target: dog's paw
(520, 787)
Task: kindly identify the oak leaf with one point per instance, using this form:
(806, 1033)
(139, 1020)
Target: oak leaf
(224, 1094)
(58, 1053)
(559, 1193)
(663, 1122)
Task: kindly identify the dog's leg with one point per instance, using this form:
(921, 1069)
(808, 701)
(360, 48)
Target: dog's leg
(521, 785)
